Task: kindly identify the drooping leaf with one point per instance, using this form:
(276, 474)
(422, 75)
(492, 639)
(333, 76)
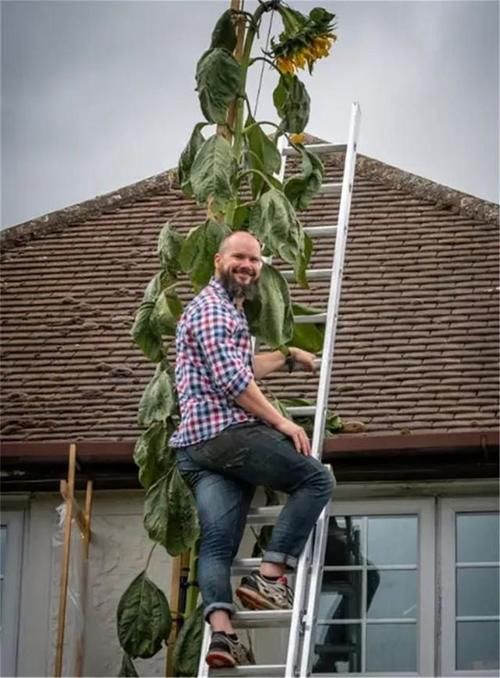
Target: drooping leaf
(170, 513)
(143, 618)
(199, 249)
(213, 171)
(262, 155)
(218, 76)
(302, 262)
(169, 247)
(188, 645)
(274, 221)
(127, 668)
(292, 103)
(270, 315)
(300, 189)
(224, 34)
(188, 155)
(166, 312)
(308, 336)
(158, 400)
(152, 453)
(148, 340)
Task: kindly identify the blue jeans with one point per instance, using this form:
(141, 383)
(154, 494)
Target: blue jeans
(222, 473)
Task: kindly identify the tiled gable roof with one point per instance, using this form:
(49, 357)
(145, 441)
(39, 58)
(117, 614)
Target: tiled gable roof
(418, 337)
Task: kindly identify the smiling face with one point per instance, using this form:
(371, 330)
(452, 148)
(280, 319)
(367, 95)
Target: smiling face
(238, 264)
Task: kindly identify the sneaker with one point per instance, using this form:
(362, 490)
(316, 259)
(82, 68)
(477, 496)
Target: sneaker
(258, 593)
(227, 652)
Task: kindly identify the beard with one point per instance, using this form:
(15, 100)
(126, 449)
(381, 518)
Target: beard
(235, 289)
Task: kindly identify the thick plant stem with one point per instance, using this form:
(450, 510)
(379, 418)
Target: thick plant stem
(193, 590)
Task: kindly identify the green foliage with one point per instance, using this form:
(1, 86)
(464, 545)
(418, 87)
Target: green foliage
(218, 77)
(213, 173)
(166, 311)
(170, 513)
(158, 400)
(143, 331)
(333, 423)
(127, 668)
(188, 155)
(188, 645)
(292, 103)
(198, 251)
(152, 453)
(169, 247)
(307, 336)
(262, 155)
(300, 189)
(224, 34)
(270, 315)
(143, 618)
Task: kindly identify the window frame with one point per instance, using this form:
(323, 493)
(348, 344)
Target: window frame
(446, 547)
(14, 521)
(424, 508)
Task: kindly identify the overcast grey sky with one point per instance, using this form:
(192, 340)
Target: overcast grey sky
(98, 95)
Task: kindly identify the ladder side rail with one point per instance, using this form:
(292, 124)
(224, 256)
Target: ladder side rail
(301, 581)
(335, 284)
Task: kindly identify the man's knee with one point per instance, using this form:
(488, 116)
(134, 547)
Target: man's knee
(326, 483)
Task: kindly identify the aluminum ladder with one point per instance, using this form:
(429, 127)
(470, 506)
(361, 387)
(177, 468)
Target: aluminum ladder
(301, 619)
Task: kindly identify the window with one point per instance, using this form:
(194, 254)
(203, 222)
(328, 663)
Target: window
(376, 613)
(11, 533)
(470, 594)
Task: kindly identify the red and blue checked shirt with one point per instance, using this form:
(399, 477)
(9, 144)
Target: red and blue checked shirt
(213, 366)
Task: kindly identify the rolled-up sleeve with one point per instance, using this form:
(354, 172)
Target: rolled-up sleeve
(214, 329)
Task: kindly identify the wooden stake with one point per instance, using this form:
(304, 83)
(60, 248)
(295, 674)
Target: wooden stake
(177, 600)
(63, 590)
(86, 536)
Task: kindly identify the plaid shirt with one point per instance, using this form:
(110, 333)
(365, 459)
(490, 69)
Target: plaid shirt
(213, 366)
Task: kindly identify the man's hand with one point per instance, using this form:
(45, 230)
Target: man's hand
(304, 360)
(297, 434)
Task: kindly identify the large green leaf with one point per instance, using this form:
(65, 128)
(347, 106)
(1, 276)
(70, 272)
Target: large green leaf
(158, 400)
(199, 249)
(188, 645)
(143, 618)
(292, 103)
(300, 189)
(152, 454)
(224, 34)
(302, 262)
(188, 155)
(270, 314)
(148, 340)
(213, 172)
(218, 76)
(274, 221)
(166, 312)
(308, 336)
(169, 247)
(262, 154)
(127, 668)
(170, 513)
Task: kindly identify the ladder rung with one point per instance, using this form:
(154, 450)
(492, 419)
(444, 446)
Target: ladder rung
(265, 515)
(313, 318)
(318, 231)
(311, 274)
(262, 618)
(318, 148)
(302, 411)
(244, 565)
(264, 670)
(331, 188)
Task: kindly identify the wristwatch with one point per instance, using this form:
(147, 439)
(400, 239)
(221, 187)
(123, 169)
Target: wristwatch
(289, 361)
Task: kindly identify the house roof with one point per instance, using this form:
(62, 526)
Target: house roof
(417, 342)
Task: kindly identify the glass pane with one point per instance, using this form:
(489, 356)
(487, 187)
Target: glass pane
(345, 541)
(3, 546)
(391, 647)
(394, 595)
(477, 591)
(340, 596)
(477, 645)
(392, 540)
(477, 537)
(337, 648)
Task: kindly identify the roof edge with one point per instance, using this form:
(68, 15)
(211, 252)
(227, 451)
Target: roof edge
(59, 219)
(465, 204)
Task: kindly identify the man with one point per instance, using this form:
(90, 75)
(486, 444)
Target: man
(231, 439)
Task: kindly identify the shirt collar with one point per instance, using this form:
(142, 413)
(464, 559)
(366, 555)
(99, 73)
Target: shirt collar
(220, 289)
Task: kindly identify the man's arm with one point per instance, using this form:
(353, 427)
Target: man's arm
(254, 401)
(265, 363)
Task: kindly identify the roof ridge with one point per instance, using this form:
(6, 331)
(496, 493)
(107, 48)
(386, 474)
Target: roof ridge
(443, 196)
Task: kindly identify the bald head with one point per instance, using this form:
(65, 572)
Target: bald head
(238, 239)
